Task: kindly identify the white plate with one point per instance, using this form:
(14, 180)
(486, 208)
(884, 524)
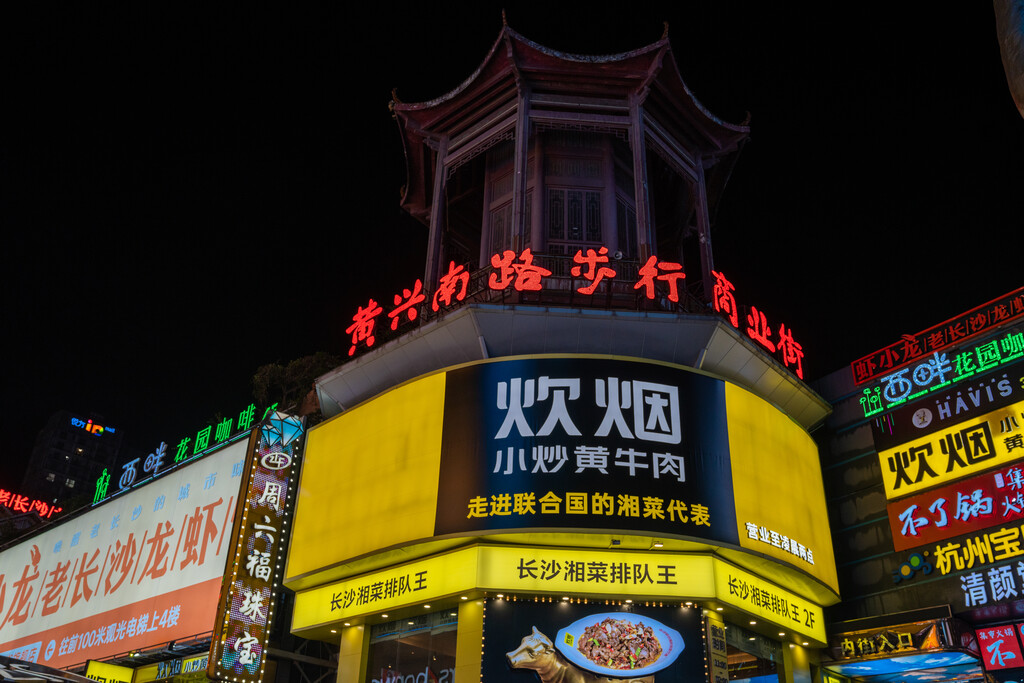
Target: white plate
(568, 638)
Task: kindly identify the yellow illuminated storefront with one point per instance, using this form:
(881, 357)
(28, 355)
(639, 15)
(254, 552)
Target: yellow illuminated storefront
(497, 508)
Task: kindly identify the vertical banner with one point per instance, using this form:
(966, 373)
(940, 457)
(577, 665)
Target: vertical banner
(718, 651)
(253, 576)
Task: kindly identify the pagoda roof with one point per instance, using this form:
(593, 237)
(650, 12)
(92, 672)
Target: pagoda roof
(600, 86)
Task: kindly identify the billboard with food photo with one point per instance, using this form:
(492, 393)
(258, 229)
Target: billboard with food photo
(563, 641)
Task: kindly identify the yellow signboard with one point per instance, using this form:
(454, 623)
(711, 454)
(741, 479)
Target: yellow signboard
(193, 667)
(560, 571)
(108, 673)
(377, 469)
(777, 486)
(964, 449)
(373, 469)
(775, 605)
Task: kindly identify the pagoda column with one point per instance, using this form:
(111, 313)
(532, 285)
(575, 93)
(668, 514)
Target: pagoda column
(521, 161)
(643, 213)
(435, 243)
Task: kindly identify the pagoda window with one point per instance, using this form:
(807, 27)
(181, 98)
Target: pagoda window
(574, 219)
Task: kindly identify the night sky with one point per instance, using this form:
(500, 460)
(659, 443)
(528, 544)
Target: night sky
(189, 192)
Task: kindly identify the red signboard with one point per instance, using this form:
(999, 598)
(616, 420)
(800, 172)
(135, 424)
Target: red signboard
(23, 503)
(973, 504)
(1000, 648)
(955, 330)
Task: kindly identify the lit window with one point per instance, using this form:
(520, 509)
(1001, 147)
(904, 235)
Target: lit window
(70, 483)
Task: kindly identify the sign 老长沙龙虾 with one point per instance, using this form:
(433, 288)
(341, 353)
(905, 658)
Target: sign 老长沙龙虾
(140, 569)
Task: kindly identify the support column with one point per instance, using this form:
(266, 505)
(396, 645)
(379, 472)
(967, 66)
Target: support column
(707, 262)
(796, 664)
(353, 654)
(469, 642)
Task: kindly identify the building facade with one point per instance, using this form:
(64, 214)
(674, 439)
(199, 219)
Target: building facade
(70, 453)
(563, 433)
(921, 466)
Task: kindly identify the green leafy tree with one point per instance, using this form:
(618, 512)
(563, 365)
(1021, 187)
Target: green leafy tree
(291, 385)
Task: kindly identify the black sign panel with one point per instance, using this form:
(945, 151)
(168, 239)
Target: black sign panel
(585, 443)
(943, 409)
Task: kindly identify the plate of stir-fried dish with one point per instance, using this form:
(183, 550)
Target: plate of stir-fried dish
(619, 644)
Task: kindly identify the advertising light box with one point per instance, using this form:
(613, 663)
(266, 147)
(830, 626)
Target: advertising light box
(557, 571)
(961, 450)
(995, 497)
(525, 640)
(141, 569)
(555, 444)
(941, 409)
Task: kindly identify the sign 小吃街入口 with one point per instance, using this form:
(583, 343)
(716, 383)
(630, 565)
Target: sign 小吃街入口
(889, 641)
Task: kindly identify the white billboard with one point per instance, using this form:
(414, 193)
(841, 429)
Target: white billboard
(141, 569)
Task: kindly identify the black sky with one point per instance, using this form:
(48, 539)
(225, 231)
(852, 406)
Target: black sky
(188, 193)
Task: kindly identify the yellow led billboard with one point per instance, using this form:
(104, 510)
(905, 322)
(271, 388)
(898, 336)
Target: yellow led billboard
(557, 571)
(779, 494)
(369, 478)
(108, 673)
(964, 449)
(764, 599)
(559, 444)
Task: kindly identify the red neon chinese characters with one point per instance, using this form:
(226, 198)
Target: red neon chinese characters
(792, 352)
(758, 329)
(593, 273)
(725, 302)
(524, 276)
(649, 272)
(406, 302)
(362, 326)
(457, 278)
